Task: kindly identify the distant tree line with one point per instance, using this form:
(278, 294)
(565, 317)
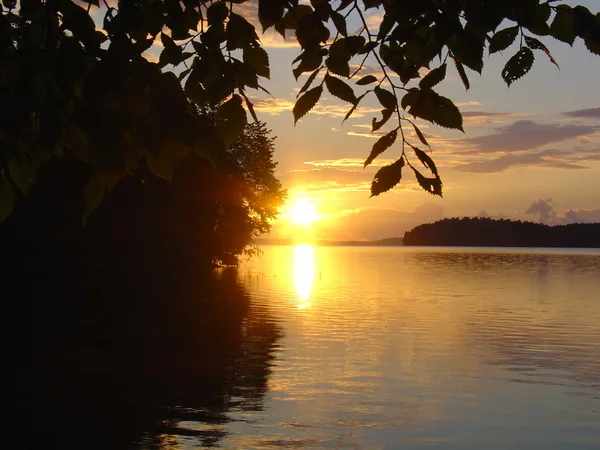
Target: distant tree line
(485, 232)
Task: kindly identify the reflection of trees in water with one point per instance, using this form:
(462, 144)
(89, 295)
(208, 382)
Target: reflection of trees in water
(144, 370)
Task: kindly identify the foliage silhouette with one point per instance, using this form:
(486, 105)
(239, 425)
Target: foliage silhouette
(485, 232)
(72, 86)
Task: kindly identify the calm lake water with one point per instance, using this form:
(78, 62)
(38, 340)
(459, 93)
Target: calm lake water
(372, 348)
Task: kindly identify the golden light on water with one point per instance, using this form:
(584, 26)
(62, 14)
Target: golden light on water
(304, 272)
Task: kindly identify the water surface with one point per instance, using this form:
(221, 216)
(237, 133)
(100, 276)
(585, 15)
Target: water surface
(416, 348)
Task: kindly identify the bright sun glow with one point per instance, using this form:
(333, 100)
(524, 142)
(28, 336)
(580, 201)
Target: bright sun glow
(304, 212)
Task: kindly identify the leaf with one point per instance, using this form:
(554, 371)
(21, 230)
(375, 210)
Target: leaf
(309, 81)
(426, 160)
(385, 97)
(376, 125)
(518, 65)
(353, 107)
(461, 73)
(420, 135)
(382, 144)
(93, 194)
(305, 103)
(171, 53)
(503, 38)
(368, 79)
(469, 50)
(250, 106)
(8, 198)
(563, 25)
(434, 77)
(386, 26)
(387, 177)
(217, 12)
(231, 120)
(535, 44)
(431, 185)
(160, 164)
(340, 89)
(340, 23)
(431, 106)
(369, 46)
(258, 59)
(22, 174)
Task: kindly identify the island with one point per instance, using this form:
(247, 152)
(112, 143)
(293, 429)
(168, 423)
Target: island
(486, 232)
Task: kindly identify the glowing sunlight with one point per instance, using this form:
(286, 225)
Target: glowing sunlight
(304, 212)
(304, 272)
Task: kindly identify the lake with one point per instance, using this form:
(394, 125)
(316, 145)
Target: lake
(396, 347)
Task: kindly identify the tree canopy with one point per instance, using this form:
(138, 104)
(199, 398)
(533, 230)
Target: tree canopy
(70, 85)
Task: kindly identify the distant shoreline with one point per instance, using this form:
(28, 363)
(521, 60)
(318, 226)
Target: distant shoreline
(388, 242)
(485, 232)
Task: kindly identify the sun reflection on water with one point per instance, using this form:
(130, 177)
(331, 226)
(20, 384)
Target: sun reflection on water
(304, 273)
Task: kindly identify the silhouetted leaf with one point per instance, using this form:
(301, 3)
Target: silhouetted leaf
(369, 46)
(386, 98)
(8, 198)
(382, 144)
(305, 103)
(426, 160)
(309, 82)
(231, 120)
(431, 106)
(258, 59)
(22, 174)
(340, 23)
(420, 135)
(250, 106)
(469, 50)
(377, 124)
(353, 107)
(217, 12)
(387, 177)
(535, 44)
(386, 25)
(461, 73)
(171, 53)
(503, 38)
(340, 89)
(563, 25)
(368, 79)
(434, 77)
(518, 65)
(93, 194)
(431, 185)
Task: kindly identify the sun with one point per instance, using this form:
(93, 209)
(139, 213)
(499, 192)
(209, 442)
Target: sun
(303, 212)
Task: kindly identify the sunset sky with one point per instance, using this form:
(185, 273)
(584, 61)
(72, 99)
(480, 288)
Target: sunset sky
(531, 151)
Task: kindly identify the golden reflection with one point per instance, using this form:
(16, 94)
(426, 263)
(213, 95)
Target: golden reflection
(304, 272)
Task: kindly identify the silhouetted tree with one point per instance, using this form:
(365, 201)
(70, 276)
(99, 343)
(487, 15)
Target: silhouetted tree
(486, 232)
(69, 85)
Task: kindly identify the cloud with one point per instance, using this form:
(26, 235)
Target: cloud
(526, 135)
(275, 106)
(581, 215)
(545, 158)
(543, 209)
(325, 175)
(349, 162)
(585, 113)
(545, 212)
